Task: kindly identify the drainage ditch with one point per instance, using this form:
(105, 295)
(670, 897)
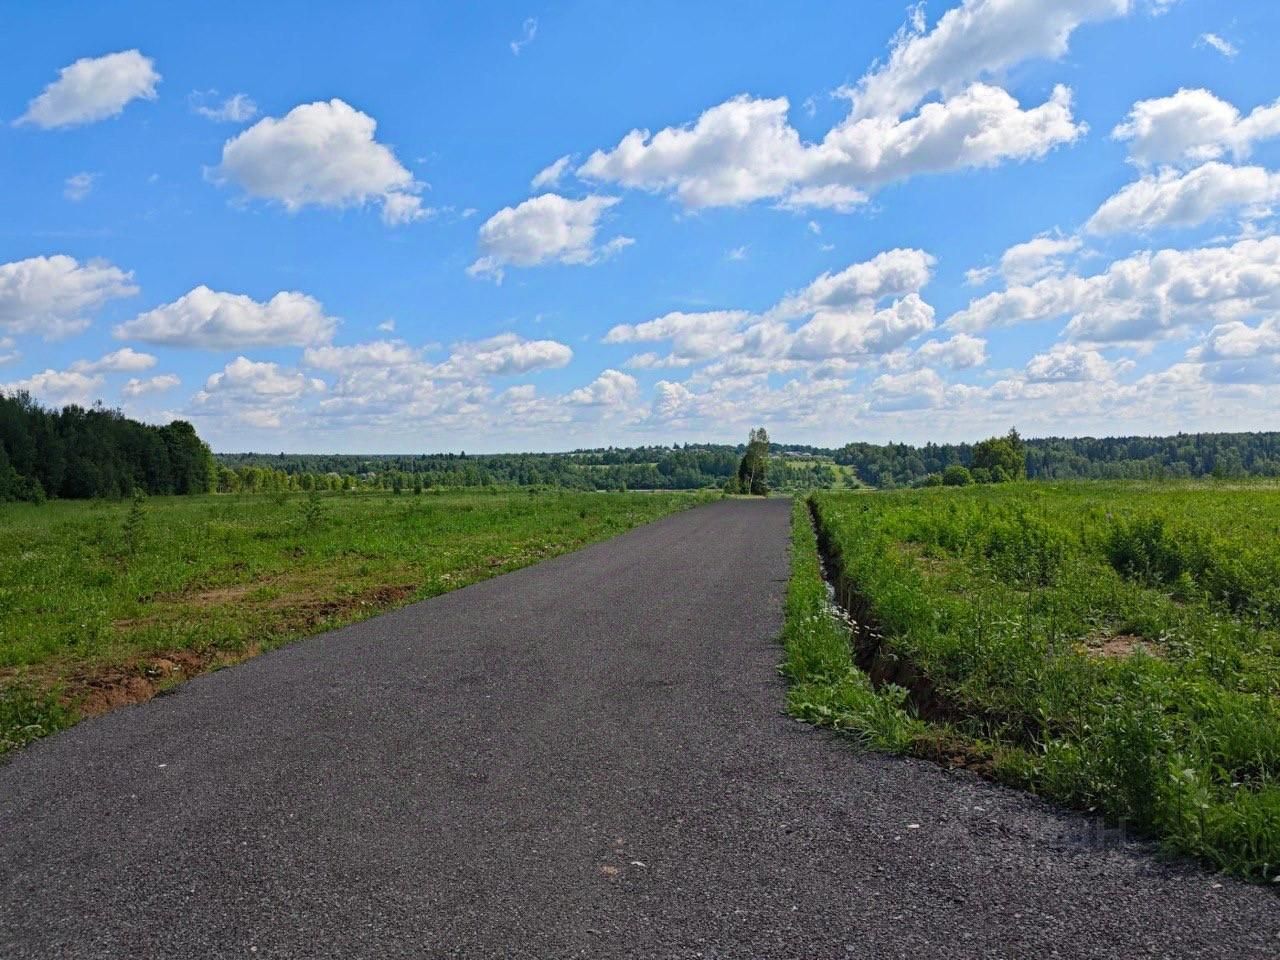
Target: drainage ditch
(848, 606)
(851, 608)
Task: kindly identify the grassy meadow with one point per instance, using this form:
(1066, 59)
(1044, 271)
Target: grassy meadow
(104, 603)
(1115, 647)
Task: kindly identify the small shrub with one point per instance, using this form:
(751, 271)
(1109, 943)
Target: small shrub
(134, 524)
(312, 512)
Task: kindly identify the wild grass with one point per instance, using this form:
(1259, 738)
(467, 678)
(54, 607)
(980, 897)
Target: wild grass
(1114, 647)
(826, 687)
(103, 603)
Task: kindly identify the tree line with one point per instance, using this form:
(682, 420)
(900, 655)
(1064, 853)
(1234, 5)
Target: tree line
(1184, 455)
(801, 467)
(688, 467)
(79, 452)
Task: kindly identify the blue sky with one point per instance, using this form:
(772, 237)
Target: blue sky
(339, 227)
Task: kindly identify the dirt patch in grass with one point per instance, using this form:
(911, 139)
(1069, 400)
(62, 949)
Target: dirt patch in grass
(1118, 646)
(199, 598)
(194, 595)
(300, 612)
(217, 596)
(955, 752)
(98, 688)
(282, 605)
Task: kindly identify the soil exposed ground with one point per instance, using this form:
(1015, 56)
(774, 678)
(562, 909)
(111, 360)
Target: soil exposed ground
(583, 758)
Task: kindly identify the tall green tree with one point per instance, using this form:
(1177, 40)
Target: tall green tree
(1004, 458)
(753, 470)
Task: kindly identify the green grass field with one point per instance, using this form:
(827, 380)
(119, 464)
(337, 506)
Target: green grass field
(1115, 647)
(98, 609)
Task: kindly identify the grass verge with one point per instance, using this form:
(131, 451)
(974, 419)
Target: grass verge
(826, 686)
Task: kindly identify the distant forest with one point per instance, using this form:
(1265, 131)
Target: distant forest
(692, 466)
(687, 467)
(1184, 455)
(78, 453)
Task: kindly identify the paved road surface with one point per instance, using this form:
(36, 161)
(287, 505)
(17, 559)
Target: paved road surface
(585, 758)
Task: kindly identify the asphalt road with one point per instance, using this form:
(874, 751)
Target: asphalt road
(586, 758)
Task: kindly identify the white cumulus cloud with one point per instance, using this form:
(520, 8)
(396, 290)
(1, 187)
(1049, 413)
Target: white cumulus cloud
(745, 149)
(1235, 353)
(976, 39)
(93, 88)
(58, 387)
(693, 336)
(157, 384)
(1069, 363)
(545, 229)
(1037, 258)
(890, 273)
(960, 352)
(257, 393)
(322, 154)
(866, 310)
(506, 354)
(376, 353)
(219, 321)
(830, 196)
(252, 378)
(380, 383)
(124, 360)
(739, 151)
(979, 127)
(861, 331)
(1143, 297)
(917, 390)
(1193, 126)
(671, 400)
(53, 295)
(1236, 340)
(1174, 199)
(612, 388)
